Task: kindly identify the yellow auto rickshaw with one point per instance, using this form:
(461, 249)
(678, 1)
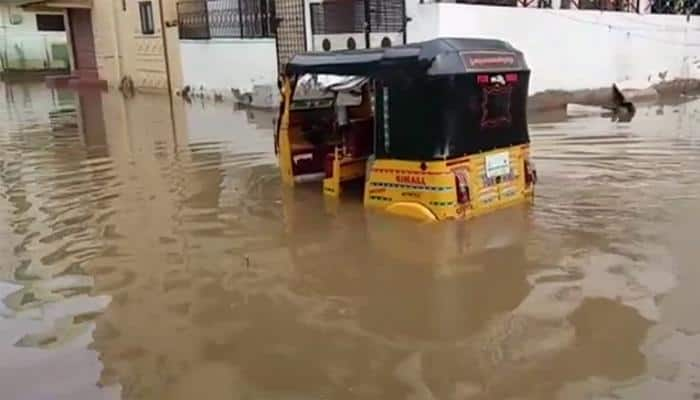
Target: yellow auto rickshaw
(434, 130)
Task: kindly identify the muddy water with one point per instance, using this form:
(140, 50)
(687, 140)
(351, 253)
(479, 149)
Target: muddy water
(146, 254)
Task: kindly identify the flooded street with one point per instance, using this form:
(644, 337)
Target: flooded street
(149, 251)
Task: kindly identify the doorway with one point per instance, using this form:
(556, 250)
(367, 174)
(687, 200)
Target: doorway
(83, 43)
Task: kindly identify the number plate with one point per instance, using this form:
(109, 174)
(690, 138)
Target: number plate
(497, 164)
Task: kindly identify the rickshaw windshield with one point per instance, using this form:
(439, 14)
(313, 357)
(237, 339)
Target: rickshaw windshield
(325, 86)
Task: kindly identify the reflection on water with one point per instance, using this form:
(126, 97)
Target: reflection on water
(150, 257)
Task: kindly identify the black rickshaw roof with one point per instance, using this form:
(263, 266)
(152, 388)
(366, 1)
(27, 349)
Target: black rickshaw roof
(444, 56)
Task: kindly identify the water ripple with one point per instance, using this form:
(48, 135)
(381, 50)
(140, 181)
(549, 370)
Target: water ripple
(168, 258)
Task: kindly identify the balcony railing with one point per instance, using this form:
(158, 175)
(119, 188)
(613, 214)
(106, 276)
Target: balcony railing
(33, 51)
(358, 16)
(207, 19)
(685, 7)
(682, 7)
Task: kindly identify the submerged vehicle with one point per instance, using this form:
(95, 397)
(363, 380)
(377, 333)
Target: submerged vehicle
(437, 129)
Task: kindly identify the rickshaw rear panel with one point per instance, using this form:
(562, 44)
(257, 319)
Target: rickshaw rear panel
(435, 185)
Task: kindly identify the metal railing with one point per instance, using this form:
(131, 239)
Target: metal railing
(680, 7)
(33, 51)
(193, 20)
(206, 19)
(358, 16)
(602, 5)
(387, 15)
(332, 17)
(290, 30)
(684, 7)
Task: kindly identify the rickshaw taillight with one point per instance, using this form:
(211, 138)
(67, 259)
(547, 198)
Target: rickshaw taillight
(462, 187)
(530, 173)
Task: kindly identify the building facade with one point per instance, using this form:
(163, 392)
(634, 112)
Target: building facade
(32, 41)
(229, 47)
(130, 44)
(569, 44)
(226, 48)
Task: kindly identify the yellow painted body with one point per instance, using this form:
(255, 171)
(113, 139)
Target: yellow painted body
(284, 155)
(344, 169)
(423, 190)
(431, 186)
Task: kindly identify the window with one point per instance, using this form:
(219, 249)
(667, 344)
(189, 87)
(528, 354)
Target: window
(50, 22)
(146, 14)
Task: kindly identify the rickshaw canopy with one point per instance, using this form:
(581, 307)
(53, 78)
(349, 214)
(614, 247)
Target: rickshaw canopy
(432, 100)
(443, 56)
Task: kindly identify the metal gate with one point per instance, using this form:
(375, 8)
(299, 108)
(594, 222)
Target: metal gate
(290, 30)
(343, 24)
(193, 20)
(386, 21)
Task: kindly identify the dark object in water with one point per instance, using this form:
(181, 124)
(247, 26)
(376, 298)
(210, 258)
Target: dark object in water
(623, 109)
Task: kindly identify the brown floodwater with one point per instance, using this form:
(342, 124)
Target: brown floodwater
(148, 251)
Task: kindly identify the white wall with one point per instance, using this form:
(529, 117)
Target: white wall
(220, 65)
(574, 49)
(423, 21)
(35, 45)
(566, 49)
